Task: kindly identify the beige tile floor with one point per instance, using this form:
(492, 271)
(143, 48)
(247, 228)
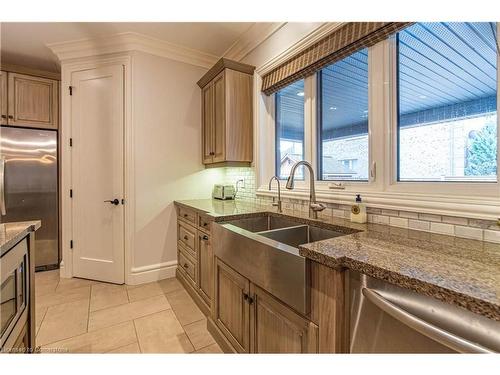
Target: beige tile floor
(83, 316)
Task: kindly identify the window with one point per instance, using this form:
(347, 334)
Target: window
(447, 102)
(289, 129)
(343, 119)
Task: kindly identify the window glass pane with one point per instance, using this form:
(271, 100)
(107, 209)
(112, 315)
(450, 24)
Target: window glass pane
(447, 102)
(344, 119)
(290, 129)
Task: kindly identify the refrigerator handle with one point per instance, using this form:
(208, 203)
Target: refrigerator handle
(3, 210)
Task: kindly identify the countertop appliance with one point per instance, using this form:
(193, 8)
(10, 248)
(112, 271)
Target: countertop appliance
(29, 187)
(223, 191)
(385, 318)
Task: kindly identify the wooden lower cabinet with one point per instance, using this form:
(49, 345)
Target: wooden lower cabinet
(231, 311)
(276, 328)
(253, 321)
(205, 262)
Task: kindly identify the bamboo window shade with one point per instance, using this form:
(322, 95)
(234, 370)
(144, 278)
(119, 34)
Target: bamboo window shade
(341, 43)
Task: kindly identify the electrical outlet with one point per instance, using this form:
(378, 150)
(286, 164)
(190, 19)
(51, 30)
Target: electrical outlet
(240, 183)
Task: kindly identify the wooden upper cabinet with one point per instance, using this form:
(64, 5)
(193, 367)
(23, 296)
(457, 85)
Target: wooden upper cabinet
(219, 131)
(32, 101)
(3, 97)
(276, 328)
(207, 120)
(227, 114)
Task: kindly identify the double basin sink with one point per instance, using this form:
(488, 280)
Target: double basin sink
(264, 249)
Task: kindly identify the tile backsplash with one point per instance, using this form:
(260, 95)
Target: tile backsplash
(477, 229)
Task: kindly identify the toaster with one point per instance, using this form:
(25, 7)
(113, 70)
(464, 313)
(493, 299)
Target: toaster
(223, 192)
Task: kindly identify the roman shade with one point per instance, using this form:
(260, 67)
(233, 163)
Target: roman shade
(339, 44)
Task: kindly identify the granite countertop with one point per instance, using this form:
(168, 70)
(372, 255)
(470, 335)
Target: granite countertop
(11, 233)
(459, 271)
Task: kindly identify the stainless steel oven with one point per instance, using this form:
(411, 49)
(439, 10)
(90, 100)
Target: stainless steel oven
(14, 293)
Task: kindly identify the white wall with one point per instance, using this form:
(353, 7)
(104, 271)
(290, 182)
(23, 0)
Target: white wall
(167, 118)
(280, 41)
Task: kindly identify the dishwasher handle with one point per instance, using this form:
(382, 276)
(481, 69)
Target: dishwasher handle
(435, 333)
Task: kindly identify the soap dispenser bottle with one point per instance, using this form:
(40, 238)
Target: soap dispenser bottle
(358, 211)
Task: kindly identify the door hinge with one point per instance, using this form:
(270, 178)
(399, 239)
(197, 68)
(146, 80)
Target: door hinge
(71, 142)
(70, 90)
(71, 244)
(71, 193)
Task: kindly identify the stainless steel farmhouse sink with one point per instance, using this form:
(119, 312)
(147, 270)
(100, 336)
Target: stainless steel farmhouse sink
(264, 249)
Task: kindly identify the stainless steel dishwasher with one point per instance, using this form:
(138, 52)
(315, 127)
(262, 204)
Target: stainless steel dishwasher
(385, 318)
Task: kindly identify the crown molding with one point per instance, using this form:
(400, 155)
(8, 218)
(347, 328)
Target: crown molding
(307, 41)
(251, 39)
(128, 42)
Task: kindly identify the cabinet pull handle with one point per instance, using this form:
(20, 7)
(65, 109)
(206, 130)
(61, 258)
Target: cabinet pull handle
(247, 298)
(205, 238)
(3, 116)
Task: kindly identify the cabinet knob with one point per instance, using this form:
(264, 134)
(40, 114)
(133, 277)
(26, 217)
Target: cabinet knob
(11, 117)
(186, 238)
(205, 238)
(205, 224)
(185, 265)
(212, 153)
(185, 215)
(3, 116)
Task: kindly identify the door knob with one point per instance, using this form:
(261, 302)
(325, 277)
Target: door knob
(115, 201)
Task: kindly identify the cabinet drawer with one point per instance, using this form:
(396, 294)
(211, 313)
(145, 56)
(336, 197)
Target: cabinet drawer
(187, 215)
(187, 236)
(187, 265)
(204, 223)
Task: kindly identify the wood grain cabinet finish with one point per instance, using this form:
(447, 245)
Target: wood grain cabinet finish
(207, 119)
(3, 98)
(276, 328)
(32, 101)
(227, 114)
(231, 308)
(205, 262)
(195, 256)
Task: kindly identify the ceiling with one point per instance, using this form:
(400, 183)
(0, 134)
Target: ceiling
(446, 70)
(24, 43)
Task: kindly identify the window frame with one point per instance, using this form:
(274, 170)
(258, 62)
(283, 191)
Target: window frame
(319, 129)
(449, 188)
(475, 199)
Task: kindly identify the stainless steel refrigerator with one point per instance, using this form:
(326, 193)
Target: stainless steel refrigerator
(29, 186)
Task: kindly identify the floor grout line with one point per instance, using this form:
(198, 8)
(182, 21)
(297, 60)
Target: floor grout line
(137, 336)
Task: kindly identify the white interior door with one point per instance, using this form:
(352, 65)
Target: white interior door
(98, 173)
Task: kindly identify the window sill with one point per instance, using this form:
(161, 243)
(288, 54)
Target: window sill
(460, 206)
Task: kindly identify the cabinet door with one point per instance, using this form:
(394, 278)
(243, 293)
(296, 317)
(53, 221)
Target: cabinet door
(231, 309)
(3, 98)
(205, 262)
(33, 101)
(207, 113)
(219, 119)
(276, 328)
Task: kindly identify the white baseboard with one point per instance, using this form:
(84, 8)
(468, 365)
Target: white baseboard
(150, 273)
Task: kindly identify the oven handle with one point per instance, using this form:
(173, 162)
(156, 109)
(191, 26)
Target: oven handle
(3, 210)
(437, 334)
